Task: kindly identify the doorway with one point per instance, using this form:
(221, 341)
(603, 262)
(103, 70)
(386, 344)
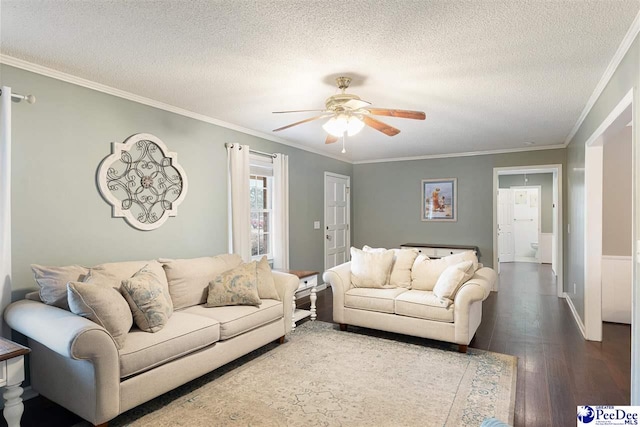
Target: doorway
(337, 217)
(596, 270)
(528, 217)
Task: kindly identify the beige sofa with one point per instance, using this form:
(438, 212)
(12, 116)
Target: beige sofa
(402, 309)
(76, 363)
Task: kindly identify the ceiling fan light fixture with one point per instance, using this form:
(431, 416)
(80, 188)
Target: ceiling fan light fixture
(342, 123)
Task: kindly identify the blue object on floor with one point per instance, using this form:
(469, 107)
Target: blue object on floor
(492, 422)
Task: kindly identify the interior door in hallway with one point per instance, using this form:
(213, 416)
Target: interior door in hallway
(336, 219)
(506, 252)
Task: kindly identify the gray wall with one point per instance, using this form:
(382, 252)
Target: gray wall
(386, 199)
(617, 194)
(626, 76)
(545, 181)
(59, 217)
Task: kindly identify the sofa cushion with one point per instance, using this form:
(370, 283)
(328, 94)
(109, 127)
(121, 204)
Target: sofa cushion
(102, 305)
(184, 333)
(238, 286)
(235, 320)
(423, 305)
(370, 269)
(53, 282)
(113, 273)
(145, 295)
(266, 283)
(451, 278)
(401, 271)
(463, 256)
(381, 300)
(189, 278)
(425, 272)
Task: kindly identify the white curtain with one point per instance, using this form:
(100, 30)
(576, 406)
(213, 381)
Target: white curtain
(281, 211)
(5, 203)
(239, 202)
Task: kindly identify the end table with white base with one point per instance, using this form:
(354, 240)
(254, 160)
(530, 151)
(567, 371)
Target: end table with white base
(11, 377)
(308, 285)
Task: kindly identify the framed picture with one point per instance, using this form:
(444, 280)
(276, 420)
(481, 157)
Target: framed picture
(439, 199)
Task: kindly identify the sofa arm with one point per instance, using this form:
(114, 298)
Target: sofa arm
(286, 286)
(339, 277)
(70, 350)
(61, 331)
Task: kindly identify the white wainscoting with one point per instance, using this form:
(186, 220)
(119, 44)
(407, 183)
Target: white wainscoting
(545, 254)
(616, 289)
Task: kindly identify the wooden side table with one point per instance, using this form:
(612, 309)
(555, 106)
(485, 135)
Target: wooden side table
(11, 377)
(308, 281)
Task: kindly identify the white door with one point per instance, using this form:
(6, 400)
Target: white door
(336, 219)
(506, 252)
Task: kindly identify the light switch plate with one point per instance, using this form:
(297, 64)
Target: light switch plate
(316, 225)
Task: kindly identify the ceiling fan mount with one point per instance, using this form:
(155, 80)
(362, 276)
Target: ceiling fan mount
(348, 113)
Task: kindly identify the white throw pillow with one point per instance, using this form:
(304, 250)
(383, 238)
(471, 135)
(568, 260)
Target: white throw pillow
(425, 272)
(370, 269)
(451, 279)
(463, 256)
(401, 270)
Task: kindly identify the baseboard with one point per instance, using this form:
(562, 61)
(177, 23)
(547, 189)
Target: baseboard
(575, 315)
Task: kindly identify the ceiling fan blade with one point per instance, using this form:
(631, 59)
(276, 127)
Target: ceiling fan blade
(380, 126)
(356, 104)
(405, 114)
(331, 139)
(302, 121)
(296, 111)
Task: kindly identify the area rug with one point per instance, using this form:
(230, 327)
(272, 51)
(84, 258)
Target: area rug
(325, 377)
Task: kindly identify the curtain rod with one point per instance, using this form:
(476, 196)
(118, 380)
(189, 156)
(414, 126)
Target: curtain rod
(17, 97)
(262, 153)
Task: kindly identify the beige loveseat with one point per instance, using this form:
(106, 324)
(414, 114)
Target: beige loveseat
(404, 302)
(77, 364)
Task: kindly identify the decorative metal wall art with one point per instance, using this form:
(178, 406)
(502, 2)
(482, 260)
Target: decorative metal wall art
(142, 181)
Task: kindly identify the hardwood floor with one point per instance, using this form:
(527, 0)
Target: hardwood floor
(557, 368)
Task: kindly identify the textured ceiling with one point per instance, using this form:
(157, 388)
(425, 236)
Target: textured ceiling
(490, 75)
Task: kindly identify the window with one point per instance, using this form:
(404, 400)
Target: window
(261, 203)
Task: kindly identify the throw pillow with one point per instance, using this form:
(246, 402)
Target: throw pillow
(451, 279)
(401, 270)
(144, 293)
(53, 282)
(235, 287)
(102, 305)
(113, 273)
(425, 272)
(463, 256)
(370, 269)
(189, 278)
(266, 284)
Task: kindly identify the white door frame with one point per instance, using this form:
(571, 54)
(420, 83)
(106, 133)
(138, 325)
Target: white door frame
(592, 233)
(324, 214)
(556, 169)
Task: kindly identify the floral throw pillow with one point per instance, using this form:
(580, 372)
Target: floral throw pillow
(146, 297)
(237, 286)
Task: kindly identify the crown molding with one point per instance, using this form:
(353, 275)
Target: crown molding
(626, 43)
(79, 81)
(465, 154)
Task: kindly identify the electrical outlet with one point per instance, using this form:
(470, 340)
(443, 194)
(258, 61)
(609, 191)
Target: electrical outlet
(574, 289)
(316, 225)
(568, 228)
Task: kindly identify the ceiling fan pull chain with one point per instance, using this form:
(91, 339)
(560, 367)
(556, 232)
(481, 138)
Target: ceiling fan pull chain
(343, 149)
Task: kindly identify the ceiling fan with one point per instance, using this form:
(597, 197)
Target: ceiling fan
(349, 114)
